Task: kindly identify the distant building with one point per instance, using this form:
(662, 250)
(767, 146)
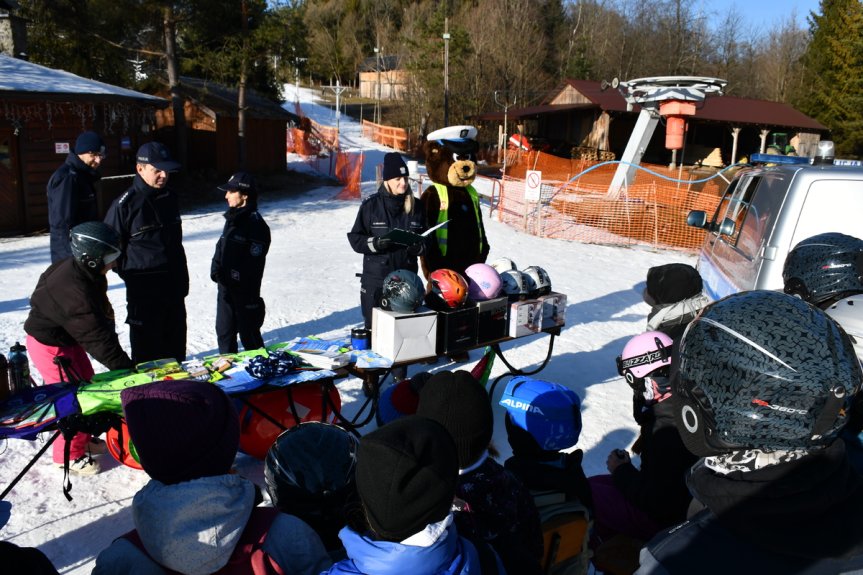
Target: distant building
(382, 78)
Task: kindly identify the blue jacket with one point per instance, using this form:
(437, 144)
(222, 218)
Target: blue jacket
(71, 201)
(449, 555)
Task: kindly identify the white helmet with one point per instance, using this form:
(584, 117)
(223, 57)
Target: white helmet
(503, 264)
(848, 312)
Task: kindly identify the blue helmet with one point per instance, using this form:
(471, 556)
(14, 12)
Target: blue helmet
(550, 412)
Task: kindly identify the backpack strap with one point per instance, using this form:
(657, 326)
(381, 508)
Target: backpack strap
(248, 558)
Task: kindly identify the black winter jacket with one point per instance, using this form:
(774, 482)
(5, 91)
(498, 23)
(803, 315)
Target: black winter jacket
(71, 201)
(659, 487)
(153, 263)
(70, 306)
(378, 215)
(798, 517)
(241, 253)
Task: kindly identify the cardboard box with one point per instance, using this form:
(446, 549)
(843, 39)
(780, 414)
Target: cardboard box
(553, 310)
(404, 336)
(491, 320)
(456, 330)
(525, 317)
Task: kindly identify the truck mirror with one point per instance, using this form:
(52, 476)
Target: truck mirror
(697, 219)
(727, 227)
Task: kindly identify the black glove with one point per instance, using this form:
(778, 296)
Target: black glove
(381, 244)
(416, 249)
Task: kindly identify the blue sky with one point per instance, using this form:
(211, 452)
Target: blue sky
(763, 13)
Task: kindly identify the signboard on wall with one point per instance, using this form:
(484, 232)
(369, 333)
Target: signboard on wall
(61, 147)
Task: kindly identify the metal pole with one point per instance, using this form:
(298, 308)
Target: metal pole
(446, 73)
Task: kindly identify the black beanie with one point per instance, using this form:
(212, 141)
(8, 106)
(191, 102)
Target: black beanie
(394, 166)
(406, 476)
(458, 402)
(671, 283)
(182, 430)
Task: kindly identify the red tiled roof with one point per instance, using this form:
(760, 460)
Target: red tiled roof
(727, 109)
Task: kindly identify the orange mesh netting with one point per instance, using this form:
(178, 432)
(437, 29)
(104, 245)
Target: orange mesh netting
(349, 171)
(650, 210)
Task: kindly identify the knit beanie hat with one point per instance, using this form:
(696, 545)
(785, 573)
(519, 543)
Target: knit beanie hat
(182, 430)
(89, 142)
(406, 476)
(394, 166)
(671, 283)
(458, 402)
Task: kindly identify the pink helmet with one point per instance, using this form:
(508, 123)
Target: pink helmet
(644, 354)
(483, 282)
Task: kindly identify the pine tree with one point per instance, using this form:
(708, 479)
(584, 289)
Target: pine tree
(834, 65)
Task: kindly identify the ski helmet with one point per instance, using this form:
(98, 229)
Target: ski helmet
(766, 370)
(512, 284)
(644, 354)
(503, 264)
(403, 291)
(289, 406)
(824, 267)
(848, 313)
(483, 282)
(449, 290)
(310, 469)
(550, 412)
(537, 281)
(95, 244)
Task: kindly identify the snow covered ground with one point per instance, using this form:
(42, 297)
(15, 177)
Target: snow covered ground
(310, 289)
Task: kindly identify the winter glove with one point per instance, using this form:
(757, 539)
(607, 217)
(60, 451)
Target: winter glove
(380, 244)
(416, 249)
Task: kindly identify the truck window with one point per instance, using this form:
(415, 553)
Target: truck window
(736, 203)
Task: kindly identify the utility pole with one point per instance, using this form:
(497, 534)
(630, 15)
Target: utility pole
(446, 72)
(337, 90)
(378, 91)
(505, 105)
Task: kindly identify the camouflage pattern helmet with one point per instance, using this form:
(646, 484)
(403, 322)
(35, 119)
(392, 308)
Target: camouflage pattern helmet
(765, 370)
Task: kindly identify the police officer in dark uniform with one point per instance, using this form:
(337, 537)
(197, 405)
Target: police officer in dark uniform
(238, 267)
(72, 192)
(393, 206)
(153, 264)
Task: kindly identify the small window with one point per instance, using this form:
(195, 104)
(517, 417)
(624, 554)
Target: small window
(735, 205)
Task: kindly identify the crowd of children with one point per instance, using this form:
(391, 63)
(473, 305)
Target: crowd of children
(740, 463)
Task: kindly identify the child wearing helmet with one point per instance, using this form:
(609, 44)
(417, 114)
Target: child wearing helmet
(492, 504)
(542, 419)
(675, 295)
(71, 316)
(765, 385)
(638, 501)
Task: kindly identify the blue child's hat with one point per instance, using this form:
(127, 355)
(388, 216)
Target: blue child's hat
(550, 412)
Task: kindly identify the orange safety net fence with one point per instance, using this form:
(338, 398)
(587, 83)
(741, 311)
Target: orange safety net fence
(349, 171)
(390, 136)
(649, 211)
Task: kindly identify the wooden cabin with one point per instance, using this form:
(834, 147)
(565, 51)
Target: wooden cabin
(42, 112)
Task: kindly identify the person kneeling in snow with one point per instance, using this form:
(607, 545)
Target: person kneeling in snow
(194, 516)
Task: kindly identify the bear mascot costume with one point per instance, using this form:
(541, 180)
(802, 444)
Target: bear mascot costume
(450, 155)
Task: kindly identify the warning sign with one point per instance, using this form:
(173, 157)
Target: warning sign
(532, 185)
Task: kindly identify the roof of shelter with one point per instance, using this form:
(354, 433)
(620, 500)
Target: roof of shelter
(220, 100)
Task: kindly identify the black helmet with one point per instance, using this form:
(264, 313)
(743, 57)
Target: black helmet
(763, 369)
(403, 291)
(95, 244)
(824, 267)
(309, 470)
